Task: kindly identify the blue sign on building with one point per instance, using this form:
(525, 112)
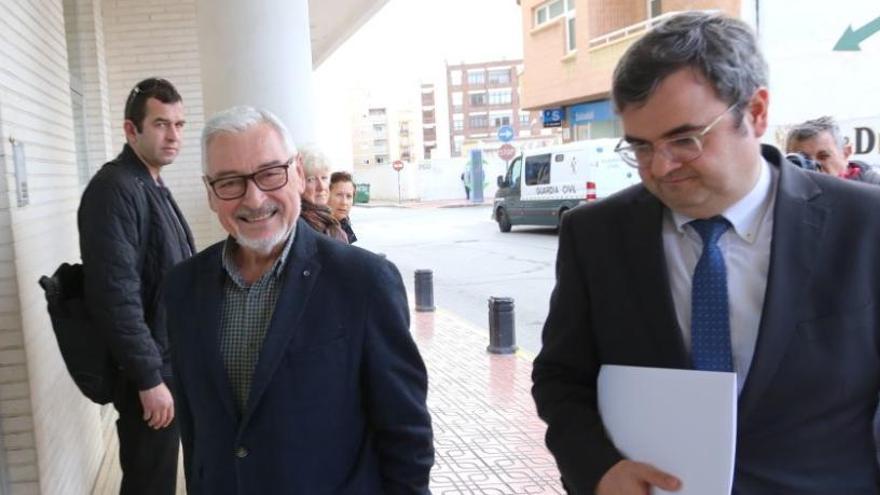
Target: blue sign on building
(505, 133)
(553, 117)
(590, 112)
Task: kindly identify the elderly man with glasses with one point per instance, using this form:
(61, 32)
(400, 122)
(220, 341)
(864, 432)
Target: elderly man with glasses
(296, 369)
(727, 258)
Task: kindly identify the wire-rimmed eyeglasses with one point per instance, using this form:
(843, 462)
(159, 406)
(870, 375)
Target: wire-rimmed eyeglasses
(235, 186)
(680, 149)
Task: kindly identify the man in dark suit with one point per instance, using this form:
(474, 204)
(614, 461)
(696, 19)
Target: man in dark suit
(296, 369)
(725, 258)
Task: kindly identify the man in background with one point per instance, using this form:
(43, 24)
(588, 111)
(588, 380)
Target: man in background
(820, 140)
(131, 233)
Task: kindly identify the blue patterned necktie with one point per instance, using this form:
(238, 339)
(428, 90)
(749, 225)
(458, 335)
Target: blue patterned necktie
(710, 316)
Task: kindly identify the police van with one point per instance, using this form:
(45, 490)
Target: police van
(543, 183)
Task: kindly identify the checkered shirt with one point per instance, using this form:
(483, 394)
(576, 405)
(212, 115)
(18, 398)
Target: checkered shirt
(247, 312)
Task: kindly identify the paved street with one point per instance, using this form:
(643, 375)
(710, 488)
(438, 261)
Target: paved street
(470, 258)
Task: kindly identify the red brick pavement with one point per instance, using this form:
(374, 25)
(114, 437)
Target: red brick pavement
(487, 436)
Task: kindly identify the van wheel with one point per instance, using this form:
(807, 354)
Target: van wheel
(503, 220)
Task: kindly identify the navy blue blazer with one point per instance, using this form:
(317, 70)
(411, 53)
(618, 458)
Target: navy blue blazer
(337, 403)
(806, 408)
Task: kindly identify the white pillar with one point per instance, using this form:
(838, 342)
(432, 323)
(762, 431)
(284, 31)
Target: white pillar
(259, 52)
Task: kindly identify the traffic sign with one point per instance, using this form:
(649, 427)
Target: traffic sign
(506, 151)
(397, 165)
(505, 133)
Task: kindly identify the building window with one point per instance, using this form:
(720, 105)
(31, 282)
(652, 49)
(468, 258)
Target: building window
(500, 120)
(538, 170)
(377, 112)
(654, 8)
(499, 76)
(458, 122)
(570, 37)
(456, 99)
(478, 99)
(476, 77)
(525, 119)
(478, 121)
(455, 77)
(500, 96)
(548, 11)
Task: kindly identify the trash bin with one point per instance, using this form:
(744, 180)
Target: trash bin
(362, 193)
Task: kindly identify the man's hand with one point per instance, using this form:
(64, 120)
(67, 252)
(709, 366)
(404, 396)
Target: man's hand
(635, 478)
(158, 406)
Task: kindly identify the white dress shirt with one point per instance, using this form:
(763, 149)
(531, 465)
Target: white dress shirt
(746, 250)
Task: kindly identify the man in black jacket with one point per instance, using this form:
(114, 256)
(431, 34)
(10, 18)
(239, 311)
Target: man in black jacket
(131, 233)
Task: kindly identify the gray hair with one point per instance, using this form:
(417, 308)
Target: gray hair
(239, 119)
(314, 160)
(721, 49)
(811, 129)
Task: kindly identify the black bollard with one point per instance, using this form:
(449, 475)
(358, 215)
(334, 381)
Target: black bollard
(502, 338)
(424, 290)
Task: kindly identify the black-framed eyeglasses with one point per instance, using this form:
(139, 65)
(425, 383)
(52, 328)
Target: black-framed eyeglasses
(235, 186)
(680, 149)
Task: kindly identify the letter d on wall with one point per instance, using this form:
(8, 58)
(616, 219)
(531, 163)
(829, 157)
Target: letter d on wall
(865, 140)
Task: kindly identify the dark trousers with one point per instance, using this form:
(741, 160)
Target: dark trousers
(148, 457)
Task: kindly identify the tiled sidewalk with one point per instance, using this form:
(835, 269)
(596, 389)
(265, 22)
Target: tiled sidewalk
(487, 436)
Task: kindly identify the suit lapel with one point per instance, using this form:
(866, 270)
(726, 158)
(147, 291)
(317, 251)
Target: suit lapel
(300, 273)
(798, 224)
(650, 279)
(208, 300)
(186, 230)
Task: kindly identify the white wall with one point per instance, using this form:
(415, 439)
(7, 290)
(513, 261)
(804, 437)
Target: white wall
(51, 434)
(146, 38)
(429, 180)
(808, 78)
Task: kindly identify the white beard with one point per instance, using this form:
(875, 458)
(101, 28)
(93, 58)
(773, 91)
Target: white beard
(265, 245)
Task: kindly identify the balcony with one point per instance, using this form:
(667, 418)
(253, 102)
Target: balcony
(628, 33)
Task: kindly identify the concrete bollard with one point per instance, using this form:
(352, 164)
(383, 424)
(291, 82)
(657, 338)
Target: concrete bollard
(424, 290)
(502, 335)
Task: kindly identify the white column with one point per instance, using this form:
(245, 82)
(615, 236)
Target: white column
(258, 52)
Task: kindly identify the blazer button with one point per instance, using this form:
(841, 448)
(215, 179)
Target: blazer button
(241, 452)
(306, 273)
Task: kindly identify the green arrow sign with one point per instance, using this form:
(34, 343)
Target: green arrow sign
(850, 40)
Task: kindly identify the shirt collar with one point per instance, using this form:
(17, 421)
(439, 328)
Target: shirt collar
(746, 215)
(228, 260)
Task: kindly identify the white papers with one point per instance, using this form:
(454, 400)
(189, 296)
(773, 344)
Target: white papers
(681, 421)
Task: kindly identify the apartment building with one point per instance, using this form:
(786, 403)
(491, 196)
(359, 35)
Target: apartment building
(429, 120)
(570, 49)
(382, 134)
(483, 97)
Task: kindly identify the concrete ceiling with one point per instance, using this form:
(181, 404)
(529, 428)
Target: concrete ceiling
(334, 21)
